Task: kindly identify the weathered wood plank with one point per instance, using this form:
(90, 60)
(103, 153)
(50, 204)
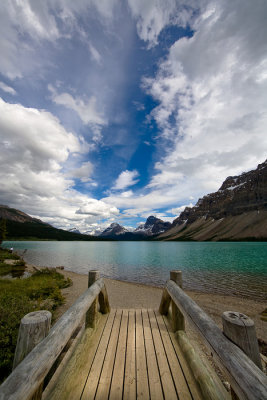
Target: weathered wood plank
(141, 365)
(210, 385)
(152, 367)
(71, 376)
(95, 371)
(129, 392)
(165, 373)
(177, 373)
(247, 381)
(28, 375)
(107, 370)
(190, 380)
(116, 388)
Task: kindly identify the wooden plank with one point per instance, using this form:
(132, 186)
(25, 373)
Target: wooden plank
(129, 392)
(103, 388)
(116, 388)
(165, 373)
(96, 368)
(68, 383)
(191, 383)
(152, 367)
(141, 365)
(175, 367)
(26, 378)
(210, 385)
(248, 382)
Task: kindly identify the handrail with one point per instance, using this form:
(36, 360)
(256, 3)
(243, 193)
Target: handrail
(246, 379)
(23, 382)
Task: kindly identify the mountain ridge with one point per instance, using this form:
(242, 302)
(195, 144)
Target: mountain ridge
(237, 211)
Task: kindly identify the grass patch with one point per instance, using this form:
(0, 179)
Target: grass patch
(6, 254)
(19, 297)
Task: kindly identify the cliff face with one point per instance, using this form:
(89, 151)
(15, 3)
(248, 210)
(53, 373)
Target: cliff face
(241, 200)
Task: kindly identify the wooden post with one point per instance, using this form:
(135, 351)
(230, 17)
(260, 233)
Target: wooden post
(34, 327)
(240, 329)
(104, 306)
(177, 317)
(90, 320)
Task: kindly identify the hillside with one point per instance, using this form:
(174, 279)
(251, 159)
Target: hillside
(21, 226)
(237, 211)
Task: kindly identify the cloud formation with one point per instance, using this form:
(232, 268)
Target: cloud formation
(126, 179)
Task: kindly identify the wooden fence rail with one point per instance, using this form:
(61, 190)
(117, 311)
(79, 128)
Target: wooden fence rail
(246, 379)
(30, 373)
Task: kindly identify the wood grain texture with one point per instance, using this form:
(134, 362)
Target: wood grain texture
(142, 387)
(26, 378)
(152, 367)
(174, 363)
(162, 361)
(240, 329)
(210, 385)
(129, 392)
(247, 380)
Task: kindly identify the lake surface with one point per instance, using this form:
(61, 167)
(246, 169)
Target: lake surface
(230, 268)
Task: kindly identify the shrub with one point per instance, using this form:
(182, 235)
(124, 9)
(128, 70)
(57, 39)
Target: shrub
(19, 297)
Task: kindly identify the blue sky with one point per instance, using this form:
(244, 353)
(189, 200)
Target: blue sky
(116, 110)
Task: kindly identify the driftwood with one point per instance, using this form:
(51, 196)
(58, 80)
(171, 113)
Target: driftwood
(248, 382)
(26, 378)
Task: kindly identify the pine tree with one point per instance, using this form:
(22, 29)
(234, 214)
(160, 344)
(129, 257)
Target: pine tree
(3, 230)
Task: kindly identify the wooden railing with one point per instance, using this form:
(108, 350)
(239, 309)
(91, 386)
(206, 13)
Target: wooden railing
(24, 382)
(247, 381)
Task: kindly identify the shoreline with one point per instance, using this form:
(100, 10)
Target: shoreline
(124, 294)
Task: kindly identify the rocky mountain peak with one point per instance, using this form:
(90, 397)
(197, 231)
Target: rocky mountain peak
(238, 194)
(114, 229)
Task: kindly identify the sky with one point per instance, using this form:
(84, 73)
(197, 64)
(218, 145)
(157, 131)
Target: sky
(115, 110)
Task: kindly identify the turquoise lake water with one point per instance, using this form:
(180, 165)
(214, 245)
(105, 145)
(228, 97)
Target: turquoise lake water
(230, 268)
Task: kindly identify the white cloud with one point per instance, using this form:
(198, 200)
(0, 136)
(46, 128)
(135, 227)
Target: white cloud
(85, 108)
(97, 208)
(34, 147)
(212, 94)
(7, 88)
(38, 22)
(83, 173)
(126, 179)
(153, 16)
(95, 54)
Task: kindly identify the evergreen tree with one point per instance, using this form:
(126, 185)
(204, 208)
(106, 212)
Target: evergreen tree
(3, 230)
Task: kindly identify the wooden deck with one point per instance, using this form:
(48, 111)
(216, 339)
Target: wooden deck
(135, 357)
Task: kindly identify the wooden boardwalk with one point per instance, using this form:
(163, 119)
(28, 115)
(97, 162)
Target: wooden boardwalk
(135, 357)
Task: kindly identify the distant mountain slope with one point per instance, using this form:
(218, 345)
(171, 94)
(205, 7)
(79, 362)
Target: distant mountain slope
(237, 211)
(22, 226)
(152, 227)
(113, 231)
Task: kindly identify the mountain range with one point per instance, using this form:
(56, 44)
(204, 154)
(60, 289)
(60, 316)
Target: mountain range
(237, 211)
(151, 228)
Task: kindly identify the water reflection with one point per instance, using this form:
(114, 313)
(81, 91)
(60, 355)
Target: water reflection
(229, 268)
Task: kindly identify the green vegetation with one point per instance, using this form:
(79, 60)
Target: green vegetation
(39, 231)
(3, 230)
(21, 296)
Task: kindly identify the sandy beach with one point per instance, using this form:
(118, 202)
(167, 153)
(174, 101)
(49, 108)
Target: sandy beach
(132, 295)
